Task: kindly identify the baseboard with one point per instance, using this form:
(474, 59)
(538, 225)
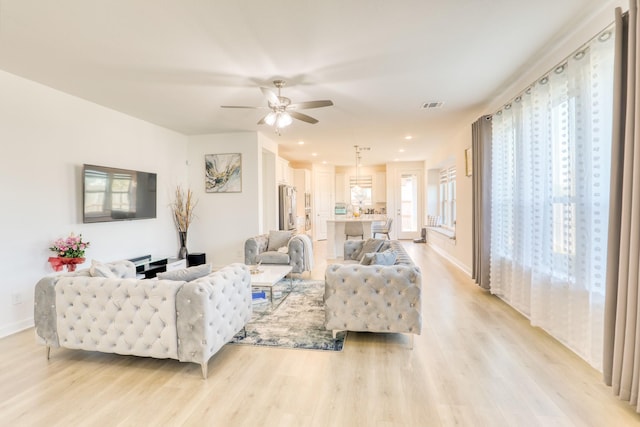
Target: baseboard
(451, 259)
(14, 328)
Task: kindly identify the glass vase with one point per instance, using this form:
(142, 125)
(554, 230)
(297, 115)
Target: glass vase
(182, 252)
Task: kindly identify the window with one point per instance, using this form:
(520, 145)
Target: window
(361, 190)
(551, 154)
(447, 197)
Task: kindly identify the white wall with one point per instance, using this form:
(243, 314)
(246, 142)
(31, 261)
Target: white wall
(225, 220)
(458, 251)
(46, 136)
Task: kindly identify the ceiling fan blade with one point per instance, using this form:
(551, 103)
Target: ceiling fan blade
(238, 106)
(261, 121)
(302, 117)
(271, 96)
(311, 104)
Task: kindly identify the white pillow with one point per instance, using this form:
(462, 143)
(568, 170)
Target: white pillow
(99, 269)
(186, 274)
(278, 239)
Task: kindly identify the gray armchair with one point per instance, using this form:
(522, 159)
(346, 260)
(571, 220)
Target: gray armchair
(282, 248)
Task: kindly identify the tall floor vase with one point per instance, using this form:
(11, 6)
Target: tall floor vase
(182, 253)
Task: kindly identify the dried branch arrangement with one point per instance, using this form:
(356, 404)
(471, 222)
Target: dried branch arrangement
(183, 207)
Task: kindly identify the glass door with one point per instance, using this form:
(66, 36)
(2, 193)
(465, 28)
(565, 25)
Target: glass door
(408, 205)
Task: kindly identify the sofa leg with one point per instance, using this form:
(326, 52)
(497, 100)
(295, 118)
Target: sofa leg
(205, 367)
(48, 352)
(410, 341)
(244, 331)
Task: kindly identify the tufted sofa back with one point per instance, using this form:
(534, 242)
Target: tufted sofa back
(124, 316)
(187, 321)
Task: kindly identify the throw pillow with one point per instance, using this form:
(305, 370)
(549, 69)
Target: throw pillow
(386, 245)
(387, 257)
(99, 269)
(433, 221)
(370, 245)
(367, 258)
(278, 239)
(186, 274)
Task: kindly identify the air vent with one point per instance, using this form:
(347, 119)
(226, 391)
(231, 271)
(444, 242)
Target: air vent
(430, 105)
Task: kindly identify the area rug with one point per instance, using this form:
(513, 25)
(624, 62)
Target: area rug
(294, 320)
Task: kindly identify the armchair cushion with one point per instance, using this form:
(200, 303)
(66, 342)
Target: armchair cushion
(273, 257)
(278, 239)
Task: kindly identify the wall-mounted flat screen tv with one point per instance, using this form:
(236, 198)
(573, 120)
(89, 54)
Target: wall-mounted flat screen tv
(111, 194)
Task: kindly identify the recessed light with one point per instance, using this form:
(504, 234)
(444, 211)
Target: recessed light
(300, 142)
(314, 154)
(401, 150)
(408, 137)
(324, 162)
(396, 160)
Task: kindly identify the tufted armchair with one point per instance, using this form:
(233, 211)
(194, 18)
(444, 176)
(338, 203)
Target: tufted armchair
(187, 321)
(374, 298)
(264, 249)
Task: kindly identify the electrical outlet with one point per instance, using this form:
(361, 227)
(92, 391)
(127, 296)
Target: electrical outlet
(16, 298)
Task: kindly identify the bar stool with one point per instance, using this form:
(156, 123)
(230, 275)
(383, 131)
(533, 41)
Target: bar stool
(382, 229)
(353, 229)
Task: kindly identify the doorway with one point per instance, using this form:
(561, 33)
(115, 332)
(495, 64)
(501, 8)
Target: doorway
(408, 203)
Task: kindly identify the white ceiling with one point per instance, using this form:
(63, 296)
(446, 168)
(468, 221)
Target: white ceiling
(173, 63)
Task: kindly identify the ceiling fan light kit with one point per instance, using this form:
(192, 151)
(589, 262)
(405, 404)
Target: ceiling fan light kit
(280, 115)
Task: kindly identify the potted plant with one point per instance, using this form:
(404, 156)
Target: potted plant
(70, 252)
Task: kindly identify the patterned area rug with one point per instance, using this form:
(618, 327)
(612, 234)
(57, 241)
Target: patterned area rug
(294, 320)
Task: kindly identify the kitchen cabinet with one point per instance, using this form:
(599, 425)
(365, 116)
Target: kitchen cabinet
(379, 193)
(283, 172)
(341, 196)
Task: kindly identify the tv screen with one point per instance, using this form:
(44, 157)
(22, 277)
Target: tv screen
(111, 194)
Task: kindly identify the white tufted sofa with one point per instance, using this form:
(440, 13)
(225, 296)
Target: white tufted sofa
(187, 321)
(373, 298)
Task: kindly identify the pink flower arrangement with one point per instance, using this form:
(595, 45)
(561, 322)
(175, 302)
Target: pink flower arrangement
(71, 247)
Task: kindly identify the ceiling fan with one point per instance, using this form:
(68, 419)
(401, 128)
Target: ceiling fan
(282, 110)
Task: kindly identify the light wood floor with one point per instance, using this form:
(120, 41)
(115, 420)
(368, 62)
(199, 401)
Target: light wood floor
(477, 363)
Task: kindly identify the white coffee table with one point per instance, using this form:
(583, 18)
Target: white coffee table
(269, 275)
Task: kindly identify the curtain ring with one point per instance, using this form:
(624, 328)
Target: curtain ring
(544, 80)
(518, 98)
(499, 113)
(604, 36)
(578, 56)
(507, 107)
(560, 68)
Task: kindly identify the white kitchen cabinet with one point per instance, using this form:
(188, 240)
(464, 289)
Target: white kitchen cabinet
(283, 172)
(302, 180)
(379, 193)
(340, 186)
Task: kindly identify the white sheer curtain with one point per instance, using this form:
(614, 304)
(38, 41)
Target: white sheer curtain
(550, 180)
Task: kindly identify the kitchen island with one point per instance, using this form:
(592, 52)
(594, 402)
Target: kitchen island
(335, 231)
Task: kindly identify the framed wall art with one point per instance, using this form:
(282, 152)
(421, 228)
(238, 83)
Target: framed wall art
(223, 173)
(468, 162)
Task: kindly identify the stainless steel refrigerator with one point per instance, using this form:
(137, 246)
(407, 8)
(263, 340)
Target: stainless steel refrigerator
(287, 209)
